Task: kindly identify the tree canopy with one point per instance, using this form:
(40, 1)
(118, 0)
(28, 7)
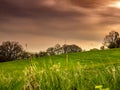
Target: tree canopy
(10, 50)
(112, 40)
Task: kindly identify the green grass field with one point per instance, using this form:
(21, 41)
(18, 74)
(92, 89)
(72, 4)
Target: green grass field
(92, 70)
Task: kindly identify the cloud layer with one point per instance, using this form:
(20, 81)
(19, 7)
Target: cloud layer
(72, 20)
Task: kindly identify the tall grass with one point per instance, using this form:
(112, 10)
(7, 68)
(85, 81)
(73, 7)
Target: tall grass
(58, 77)
(95, 70)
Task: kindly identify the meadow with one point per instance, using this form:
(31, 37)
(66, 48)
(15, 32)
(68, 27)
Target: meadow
(90, 70)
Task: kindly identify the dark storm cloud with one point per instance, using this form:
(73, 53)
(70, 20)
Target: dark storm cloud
(57, 19)
(39, 8)
(31, 9)
(109, 16)
(66, 29)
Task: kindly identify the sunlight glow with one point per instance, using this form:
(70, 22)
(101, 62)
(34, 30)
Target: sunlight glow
(116, 5)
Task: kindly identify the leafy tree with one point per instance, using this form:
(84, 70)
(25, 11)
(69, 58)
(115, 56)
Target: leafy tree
(42, 54)
(112, 40)
(94, 49)
(26, 55)
(102, 47)
(71, 48)
(50, 51)
(36, 55)
(57, 46)
(10, 50)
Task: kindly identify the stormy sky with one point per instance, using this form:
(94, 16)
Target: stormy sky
(43, 23)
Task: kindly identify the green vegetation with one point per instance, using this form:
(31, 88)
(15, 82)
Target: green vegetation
(92, 70)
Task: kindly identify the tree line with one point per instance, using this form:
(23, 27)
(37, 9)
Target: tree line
(11, 50)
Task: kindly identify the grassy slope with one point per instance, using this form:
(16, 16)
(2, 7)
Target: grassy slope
(86, 58)
(99, 68)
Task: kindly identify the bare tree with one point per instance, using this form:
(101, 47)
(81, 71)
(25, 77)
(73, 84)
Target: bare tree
(112, 40)
(10, 50)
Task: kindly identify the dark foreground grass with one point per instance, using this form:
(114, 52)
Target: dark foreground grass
(92, 70)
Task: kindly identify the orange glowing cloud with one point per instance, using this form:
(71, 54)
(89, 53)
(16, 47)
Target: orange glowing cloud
(115, 4)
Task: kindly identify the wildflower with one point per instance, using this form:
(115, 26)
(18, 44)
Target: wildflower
(99, 86)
